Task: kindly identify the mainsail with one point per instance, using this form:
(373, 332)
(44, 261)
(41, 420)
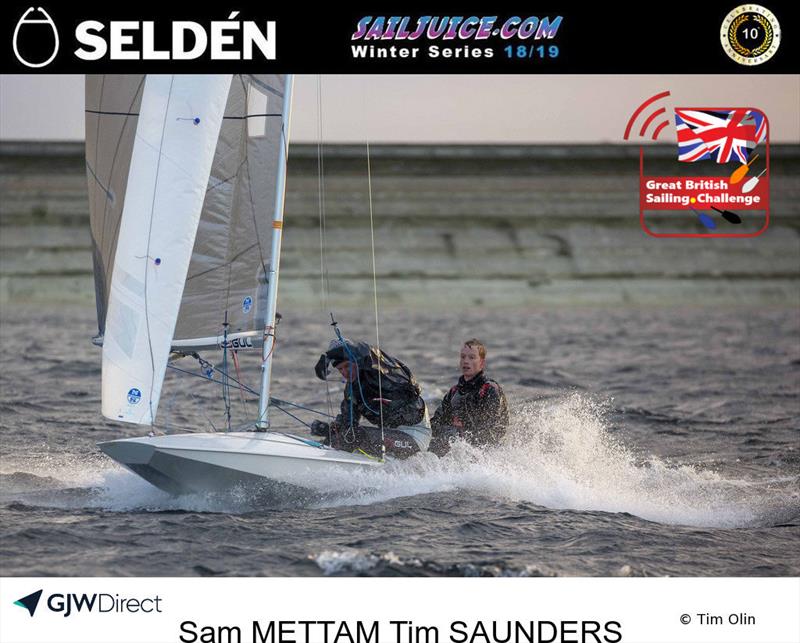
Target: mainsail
(227, 280)
(182, 176)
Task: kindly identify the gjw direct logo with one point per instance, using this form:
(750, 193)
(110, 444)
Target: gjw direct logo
(36, 40)
(68, 604)
(30, 601)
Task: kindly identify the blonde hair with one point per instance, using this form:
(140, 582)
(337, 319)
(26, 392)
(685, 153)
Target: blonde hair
(476, 343)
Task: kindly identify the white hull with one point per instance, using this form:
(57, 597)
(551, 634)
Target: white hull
(274, 463)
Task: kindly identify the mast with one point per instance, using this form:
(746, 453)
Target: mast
(275, 260)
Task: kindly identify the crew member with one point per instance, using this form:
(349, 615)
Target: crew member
(475, 409)
(379, 388)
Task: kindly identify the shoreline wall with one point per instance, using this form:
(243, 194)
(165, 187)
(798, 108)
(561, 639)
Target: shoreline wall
(455, 226)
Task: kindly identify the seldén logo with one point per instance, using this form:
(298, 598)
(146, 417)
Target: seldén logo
(36, 39)
(68, 604)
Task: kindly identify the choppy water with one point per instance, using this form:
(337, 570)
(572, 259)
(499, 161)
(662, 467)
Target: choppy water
(644, 442)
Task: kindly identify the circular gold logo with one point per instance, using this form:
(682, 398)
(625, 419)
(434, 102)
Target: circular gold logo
(750, 34)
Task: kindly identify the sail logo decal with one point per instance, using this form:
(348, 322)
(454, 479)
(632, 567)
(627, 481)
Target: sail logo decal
(134, 396)
(247, 304)
(237, 343)
(30, 602)
(36, 35)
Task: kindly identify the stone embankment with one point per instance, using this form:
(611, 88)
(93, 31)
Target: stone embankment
(455, 226)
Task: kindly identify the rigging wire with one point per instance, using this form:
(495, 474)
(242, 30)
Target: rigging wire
(235, 356)
(205, 415)
(323, 250)
(209, 379)
(272, 400)
(374, 278)
(226, 387)
(323, 237)
(324, 283)
(292, 415)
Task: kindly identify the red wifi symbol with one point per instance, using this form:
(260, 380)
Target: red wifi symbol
(655, 114)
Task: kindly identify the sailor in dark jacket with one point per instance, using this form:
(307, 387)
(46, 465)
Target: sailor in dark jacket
(475, 409)
(378, 387)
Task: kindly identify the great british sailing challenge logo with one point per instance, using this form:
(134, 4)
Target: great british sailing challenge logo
(727, 199)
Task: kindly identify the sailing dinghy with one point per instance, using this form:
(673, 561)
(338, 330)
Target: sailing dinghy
(186, 181)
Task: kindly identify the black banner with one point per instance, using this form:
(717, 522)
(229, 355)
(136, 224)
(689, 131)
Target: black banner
(527, 38)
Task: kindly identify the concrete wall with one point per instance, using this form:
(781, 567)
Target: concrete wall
(454, 226)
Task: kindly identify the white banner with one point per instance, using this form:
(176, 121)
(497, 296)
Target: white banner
(400, 610)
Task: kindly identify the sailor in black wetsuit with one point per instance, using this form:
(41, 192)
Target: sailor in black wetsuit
(377, 387)
(475, 409)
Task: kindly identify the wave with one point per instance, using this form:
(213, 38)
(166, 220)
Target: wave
(353, 562)
(559, 454)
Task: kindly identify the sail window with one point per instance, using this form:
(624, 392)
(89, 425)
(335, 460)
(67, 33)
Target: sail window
(256, 111)
(126, 322)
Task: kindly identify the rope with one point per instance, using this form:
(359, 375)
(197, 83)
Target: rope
(292, 415)
(235, 356)
(226, 387)
(269, 331)
(274, 401)
(278, 403)
(375, 286)
(323, 249)
(210, 379)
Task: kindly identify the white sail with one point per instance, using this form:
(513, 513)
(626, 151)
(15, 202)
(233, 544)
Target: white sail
(228, 274)
(176, 138)
(189, 240)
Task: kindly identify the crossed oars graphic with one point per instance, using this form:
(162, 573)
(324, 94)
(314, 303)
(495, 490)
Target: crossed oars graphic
(731, 217)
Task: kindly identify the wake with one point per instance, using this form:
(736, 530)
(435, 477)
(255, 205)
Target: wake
(559, 454)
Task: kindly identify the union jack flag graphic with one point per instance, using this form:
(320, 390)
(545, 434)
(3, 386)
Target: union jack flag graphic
(718, 135)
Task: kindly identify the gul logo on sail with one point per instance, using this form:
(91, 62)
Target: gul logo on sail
(35, 39)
